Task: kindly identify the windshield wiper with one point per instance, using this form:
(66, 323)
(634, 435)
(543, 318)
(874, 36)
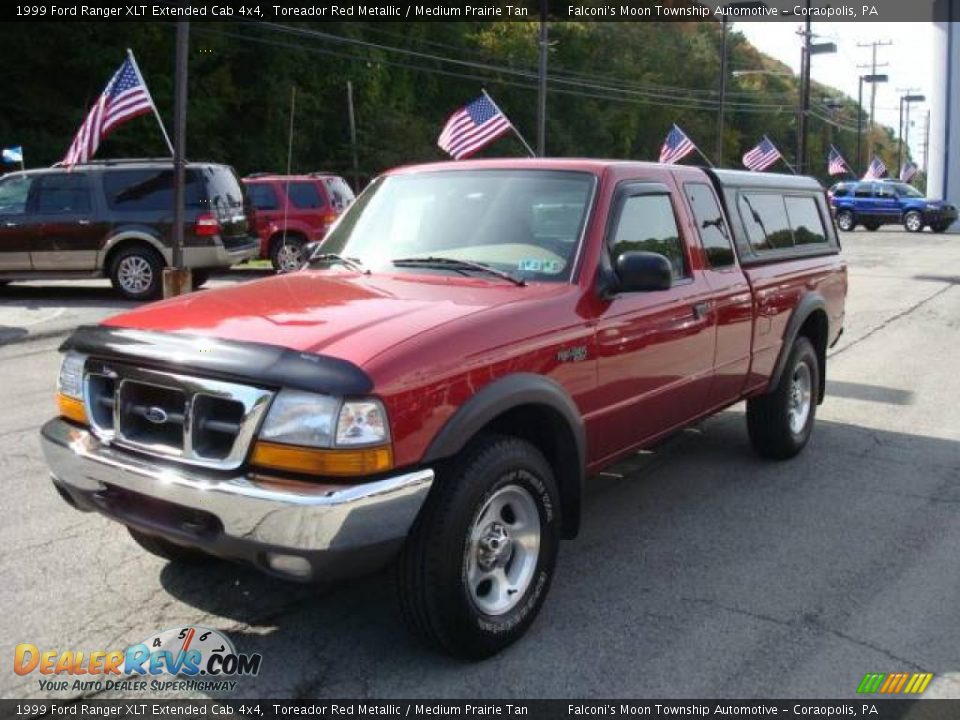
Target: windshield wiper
(459, 265)
(334, 258)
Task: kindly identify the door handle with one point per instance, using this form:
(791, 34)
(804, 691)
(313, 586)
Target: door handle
(701, 309)
(83, 222)
(10, 224)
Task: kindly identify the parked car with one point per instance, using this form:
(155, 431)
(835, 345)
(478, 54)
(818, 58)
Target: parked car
(469, 344)
(888, 202)
(294, 210)
(114, 219)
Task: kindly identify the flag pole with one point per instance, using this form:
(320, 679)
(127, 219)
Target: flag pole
(703, 156)
(136, 69)
(510, 122)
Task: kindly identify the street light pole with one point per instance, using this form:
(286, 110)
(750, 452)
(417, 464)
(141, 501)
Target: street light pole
(723, 89)
(860, 128)
(542, 84)
(804, 96)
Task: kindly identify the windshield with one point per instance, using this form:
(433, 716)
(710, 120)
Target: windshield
(526, 222)
(904, 190)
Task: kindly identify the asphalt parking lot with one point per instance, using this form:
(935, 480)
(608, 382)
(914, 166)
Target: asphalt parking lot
(701, 571)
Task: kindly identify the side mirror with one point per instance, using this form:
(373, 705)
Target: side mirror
(643, 272)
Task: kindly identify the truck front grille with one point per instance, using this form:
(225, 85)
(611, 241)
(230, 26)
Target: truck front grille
(193, 420)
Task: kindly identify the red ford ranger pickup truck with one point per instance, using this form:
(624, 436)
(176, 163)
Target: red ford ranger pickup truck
(469, 343)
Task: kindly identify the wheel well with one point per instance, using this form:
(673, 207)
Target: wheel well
(548, 431)
(123, 245)
(816, 329)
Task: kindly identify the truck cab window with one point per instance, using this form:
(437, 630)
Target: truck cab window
(647, 224)
(710, 224)
(765, 218)
(14, 190)
(805, 220)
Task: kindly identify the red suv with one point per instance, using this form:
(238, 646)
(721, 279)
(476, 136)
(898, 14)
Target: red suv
(293, 210)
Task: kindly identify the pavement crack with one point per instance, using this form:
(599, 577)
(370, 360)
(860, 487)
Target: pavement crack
(890, 320)
(810, 625)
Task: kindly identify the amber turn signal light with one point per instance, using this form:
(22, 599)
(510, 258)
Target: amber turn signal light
(71, 409)
(314, 461)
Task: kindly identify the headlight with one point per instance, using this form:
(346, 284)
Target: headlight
(301, 418)
(362, 422)
(70, 382)
(322, 435)
(70, 388)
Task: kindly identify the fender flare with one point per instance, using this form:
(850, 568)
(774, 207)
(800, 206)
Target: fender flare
(809, 303)
(508, 393)
(136, 235)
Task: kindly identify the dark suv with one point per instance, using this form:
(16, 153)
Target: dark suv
(115, 219)
(888, 202)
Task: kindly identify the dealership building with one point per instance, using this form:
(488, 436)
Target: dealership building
(943, 164)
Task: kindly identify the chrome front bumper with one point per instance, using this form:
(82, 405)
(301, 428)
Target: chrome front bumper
(321, 531)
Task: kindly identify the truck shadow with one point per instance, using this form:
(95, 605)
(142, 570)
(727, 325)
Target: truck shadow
(696, 555)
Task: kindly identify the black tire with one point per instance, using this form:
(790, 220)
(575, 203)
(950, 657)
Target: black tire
(284, 254)
(846, 221)
(161, 547)
(940, 227)
(136, 272)
(913, 221)
(199, 277)
(438, 601)
(872, 227)
(769, 416)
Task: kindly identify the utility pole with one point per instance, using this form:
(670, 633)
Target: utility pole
(906, 97)
(804, 95)
(542, 84)
(873, 65)
(177, 280)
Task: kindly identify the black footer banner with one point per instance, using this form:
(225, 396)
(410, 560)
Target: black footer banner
(534, 709)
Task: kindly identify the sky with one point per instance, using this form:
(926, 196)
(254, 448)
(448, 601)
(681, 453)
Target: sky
(910, 59)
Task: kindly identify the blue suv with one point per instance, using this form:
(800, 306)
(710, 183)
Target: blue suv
(887, 202)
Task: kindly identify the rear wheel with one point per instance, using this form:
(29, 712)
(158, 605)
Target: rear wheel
(136, 272)
(161, 547)
(781, 421)
(846, 221)
(477, 566)
(287, 254)
(913, 221)
(940, 227)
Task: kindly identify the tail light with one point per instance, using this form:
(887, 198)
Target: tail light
(207, 225)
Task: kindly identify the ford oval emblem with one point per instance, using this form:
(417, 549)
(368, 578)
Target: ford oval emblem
(156, 415)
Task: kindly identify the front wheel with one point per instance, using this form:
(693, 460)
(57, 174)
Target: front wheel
(199, 277)
(913, 221)
(846, 221)
(780, 422)
(940, 227)
(480, 558)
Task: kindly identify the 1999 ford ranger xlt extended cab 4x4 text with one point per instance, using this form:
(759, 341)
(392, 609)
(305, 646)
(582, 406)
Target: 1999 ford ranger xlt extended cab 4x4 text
(469, 343)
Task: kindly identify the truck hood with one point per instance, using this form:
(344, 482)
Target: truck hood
(347, 315)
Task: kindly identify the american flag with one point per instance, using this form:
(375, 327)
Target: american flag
(908, 170)
(472, 127)
(676, 147)
(876, 170)
(762, 156)
(836, 165)
(126, 96)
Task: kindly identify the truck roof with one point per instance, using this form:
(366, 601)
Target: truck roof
(738, 178)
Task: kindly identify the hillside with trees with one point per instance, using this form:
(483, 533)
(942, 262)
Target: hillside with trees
(614, 90)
